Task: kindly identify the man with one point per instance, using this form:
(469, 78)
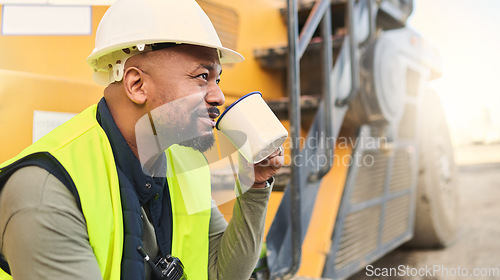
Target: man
(126, 177)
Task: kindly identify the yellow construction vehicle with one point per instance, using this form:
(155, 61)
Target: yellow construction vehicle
(369, 159)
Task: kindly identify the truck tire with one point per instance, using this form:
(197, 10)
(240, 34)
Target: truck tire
(437, 201)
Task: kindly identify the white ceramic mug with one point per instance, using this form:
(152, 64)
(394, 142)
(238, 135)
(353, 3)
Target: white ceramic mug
(252, 127)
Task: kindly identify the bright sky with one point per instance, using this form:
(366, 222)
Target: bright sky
(467, 32)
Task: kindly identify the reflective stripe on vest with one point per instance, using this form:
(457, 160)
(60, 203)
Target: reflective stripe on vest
(82, 147)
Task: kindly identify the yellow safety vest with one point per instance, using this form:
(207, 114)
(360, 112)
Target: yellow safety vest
(83, 149)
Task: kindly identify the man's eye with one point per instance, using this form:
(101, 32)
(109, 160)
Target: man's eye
(204, 76)
(217, 81)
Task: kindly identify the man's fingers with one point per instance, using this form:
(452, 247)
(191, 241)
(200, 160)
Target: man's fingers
(275, 160)
(278, 152)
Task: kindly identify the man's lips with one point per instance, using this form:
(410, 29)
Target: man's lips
(213, 112)
(208, 115)
(208, 121)
(213, 115)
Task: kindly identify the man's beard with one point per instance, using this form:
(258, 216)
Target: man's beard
(201, 143)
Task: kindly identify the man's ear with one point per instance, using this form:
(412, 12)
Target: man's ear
(133, 82)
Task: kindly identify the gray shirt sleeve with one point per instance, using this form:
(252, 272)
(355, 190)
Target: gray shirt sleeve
(43, 233)
(235, 247)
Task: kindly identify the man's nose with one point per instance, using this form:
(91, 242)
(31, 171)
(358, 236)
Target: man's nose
(215, 97)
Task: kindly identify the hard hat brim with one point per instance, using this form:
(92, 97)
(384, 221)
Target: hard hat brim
(225, 55)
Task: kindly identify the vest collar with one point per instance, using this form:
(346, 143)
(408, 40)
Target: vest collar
(145, 185)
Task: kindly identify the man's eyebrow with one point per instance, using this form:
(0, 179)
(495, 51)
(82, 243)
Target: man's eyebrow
(209, 67)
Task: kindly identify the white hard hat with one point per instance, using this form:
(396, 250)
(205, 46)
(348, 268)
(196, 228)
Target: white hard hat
(130, 27)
